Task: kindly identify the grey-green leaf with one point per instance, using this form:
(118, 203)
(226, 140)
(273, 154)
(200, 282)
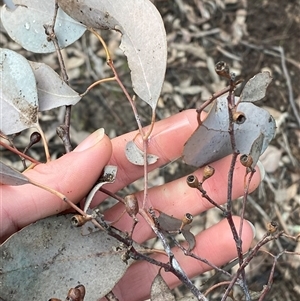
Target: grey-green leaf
(18, 93)
(255, 88)
(256, 147)
(172, 225)
(109, 176)
(160, 290)
(25, 25)
(136, 156)
(211, 141)
(53, 92)
(10, 176)
(143, 38)
(47, 258)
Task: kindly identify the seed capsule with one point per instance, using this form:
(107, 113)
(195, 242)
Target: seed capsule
(239, 117)
(208, 171)
(187, 219)
(222, 69)
(76, 294)
(272, 227)
(192, 181)
(79, 220)
(246, 160)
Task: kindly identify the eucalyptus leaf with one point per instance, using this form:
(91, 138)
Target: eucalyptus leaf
(143, 38)
(25, 25)
(211, 141)
(109, 176)
(256, 87)
(160, 290)
(53, 92)
(255, 150)
(18, 93)
(45, 259)
(10, 176)
(136, 156)
(171, 225)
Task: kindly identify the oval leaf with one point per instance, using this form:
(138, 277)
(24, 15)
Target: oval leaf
(160, 290)
(18, 93)
(53, 92)
(171, 225)
(143, 38)
(211, 141)
(255, 89)
(48, 257)
(25, 25)
(109, 176)
(136, 156)
(256, 148)
(10, 176)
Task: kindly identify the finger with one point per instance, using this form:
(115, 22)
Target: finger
(176, 128)
(214, 244)
(177, 198)
(73, 175)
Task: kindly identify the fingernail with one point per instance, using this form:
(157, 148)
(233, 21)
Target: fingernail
(90, 141)
(253, 228)
(261, 170)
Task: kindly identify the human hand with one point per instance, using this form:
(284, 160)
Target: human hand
(76, 172)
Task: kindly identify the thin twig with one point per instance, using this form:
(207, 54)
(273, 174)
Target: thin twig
(237, 238)
(265, 239)
(16, 151)
(247, 182)
(267, 287)
(211, 99)
(175, 268)
(51, 36)
(289, 84)
(191, 254)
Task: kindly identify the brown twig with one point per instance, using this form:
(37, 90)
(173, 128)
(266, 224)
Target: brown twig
(16, 151)
(51, 36)
(265, 239)
(289, 84)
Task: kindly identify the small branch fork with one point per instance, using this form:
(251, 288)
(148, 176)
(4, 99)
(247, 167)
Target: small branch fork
(63, 130)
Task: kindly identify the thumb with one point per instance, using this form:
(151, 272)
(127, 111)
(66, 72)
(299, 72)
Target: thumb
(73, 175)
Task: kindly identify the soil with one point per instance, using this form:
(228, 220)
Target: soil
(250, 36)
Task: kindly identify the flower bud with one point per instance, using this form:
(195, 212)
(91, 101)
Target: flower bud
(35, 137)
(131, 205)
(208, 171)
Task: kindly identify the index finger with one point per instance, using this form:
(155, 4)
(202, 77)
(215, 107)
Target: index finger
(166, 141)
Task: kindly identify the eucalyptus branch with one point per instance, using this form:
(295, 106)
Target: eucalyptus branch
(236, 236)
(64, 130)
(247, 182)
(191, 254)
(175, 268)
(212, 98)
(17, 152)
(253, 252)
(268, 286)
